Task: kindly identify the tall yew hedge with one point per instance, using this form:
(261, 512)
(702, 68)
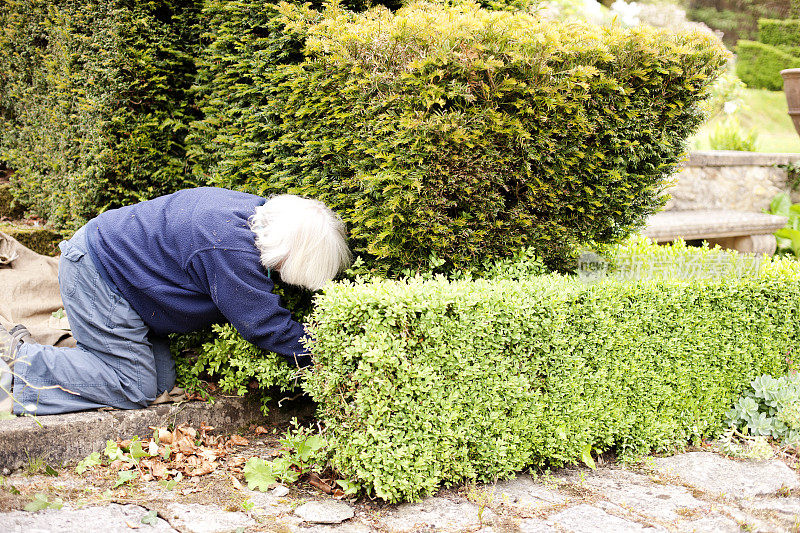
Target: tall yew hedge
(95, 101)
(448, 135)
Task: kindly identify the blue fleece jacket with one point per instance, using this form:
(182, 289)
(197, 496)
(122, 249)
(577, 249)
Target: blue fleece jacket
(189, 259)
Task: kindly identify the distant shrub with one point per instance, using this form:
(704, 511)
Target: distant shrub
(759, 65)
(730, 135)
(95, 102)
(453, 134)
(737, 19)
(734, 25)
(779, 32)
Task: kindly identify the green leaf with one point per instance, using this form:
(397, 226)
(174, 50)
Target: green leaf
(586, 456)
(150, 518)
(50, 471)
(137, 452)
(282, 469)
(259, 474)
(793, 235)
(780, 205)
(112, 451)
(41, 501)
(348, 487)
(123, 477)
(168, 484)
(92, 460)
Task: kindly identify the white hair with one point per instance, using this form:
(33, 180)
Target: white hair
(302, 239)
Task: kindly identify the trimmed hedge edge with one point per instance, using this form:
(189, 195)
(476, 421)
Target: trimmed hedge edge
(427, 382)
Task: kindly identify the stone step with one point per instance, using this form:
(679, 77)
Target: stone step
(70, 437)
(9, 208)
(38, 238)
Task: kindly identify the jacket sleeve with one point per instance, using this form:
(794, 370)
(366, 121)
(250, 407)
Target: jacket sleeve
(242, 291)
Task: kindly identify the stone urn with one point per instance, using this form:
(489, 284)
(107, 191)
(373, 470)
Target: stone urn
(791, 87)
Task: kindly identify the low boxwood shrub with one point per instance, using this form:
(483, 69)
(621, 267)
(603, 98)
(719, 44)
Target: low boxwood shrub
(451, 135)
(759, 65)
(779, 32)
(427, 382)
(95, 102)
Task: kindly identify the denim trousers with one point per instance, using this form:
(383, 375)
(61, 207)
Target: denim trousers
(118, 361)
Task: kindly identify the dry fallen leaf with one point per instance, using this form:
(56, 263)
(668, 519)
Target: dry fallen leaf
(185, 445)
(314, 480)
(119, 464)
(165, 436)
(209, 455)
(261, 430)
(132, 525)
(188, 431)
(238, 440)
(236, 461)
(158, 469)
(203, 469)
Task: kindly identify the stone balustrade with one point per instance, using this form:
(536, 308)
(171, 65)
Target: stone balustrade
(738, 181)
(720, 196)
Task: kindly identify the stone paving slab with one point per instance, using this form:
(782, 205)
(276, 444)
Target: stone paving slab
(111, 518)
(670, 494)
(59, 438)
(440, 513)
(588, 519)
(715, 474)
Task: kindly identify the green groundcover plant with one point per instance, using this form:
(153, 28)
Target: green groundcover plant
(770, 408)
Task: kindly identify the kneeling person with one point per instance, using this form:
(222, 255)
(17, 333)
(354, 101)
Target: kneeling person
(172, 265)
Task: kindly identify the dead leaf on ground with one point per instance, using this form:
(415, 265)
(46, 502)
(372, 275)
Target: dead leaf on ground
(119, 464)
(203, 469)
(236, 461)
(316, 481)
(238, 440)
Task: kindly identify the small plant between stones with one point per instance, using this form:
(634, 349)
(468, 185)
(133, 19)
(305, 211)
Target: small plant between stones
(768, 413)
(303, 453)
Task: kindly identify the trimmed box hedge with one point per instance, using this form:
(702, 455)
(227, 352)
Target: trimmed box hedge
(95, 102)
(759, 65)
(427, 382)
(447, 136)
(779, 32)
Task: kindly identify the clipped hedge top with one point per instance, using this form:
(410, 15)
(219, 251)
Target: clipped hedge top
(779, 32)
(422, 31)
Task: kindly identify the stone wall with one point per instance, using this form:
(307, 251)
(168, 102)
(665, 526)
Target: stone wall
(741, 181)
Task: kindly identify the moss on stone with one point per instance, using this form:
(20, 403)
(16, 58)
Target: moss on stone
(41, 240)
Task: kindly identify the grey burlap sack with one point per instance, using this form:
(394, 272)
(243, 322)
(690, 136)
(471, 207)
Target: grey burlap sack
(29, 293)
